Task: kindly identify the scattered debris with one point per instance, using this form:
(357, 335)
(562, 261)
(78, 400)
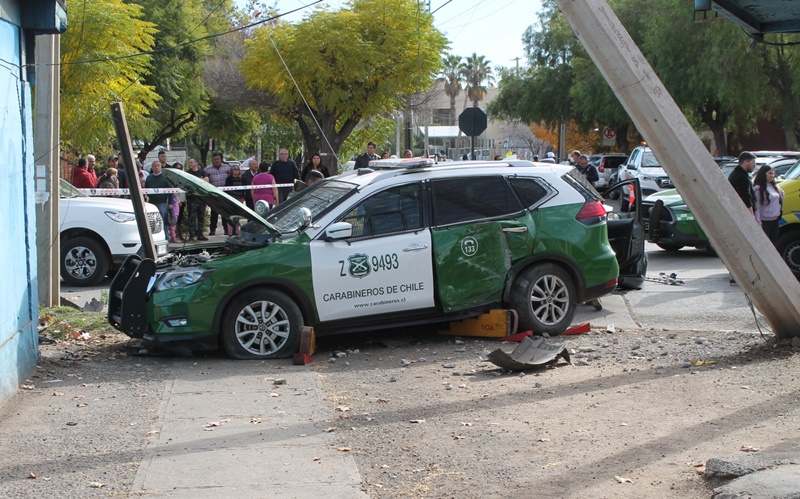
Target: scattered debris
(664, 278)
(417, 421)
(700, 363)
(749, 448)
(620, 479)
(94, 306)
(529, 354)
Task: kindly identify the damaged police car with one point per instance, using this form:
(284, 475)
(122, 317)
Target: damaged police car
(385, 247)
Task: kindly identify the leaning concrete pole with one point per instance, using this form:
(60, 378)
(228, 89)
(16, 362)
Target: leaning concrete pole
(758, 268)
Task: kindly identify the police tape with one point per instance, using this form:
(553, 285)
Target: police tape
(173, 190)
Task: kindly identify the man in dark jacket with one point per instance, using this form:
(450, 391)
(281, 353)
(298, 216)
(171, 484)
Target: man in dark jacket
(589, 171)
(363, 160)
(740, 181)
(285, 172)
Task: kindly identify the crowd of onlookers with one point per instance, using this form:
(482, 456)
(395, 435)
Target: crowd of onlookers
(180, 207)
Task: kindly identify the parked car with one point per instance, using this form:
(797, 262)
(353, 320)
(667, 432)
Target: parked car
(607, 167)
(643, 165)
(677, 227)
(98, 233)
(378, 248)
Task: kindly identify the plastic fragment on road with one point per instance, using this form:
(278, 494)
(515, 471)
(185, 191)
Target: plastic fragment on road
(529, 354)
(581, 328)
(700, 363)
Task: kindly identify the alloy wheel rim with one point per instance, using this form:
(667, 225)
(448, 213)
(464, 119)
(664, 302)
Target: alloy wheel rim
(262, 327)
(80, 262)
(550, 300)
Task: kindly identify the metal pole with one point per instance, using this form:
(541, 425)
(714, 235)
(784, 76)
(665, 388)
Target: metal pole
(750, 256)
(132, 174)
(46, 152)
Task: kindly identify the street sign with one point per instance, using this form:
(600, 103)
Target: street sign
(609, 137)
(472, 121)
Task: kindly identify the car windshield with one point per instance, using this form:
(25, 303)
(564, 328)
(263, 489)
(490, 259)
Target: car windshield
(318, 198)
(649, 159)
(794, 172)
(67, 190)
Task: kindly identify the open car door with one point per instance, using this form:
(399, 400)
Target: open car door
(626, 231)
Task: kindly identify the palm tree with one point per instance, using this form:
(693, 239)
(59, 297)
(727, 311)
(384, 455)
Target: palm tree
(453, 75)
(477, 71)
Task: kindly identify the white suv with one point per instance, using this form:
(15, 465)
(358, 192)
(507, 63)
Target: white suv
(642, 164)
(98, 233)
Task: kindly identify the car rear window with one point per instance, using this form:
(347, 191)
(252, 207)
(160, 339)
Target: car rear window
(614, 161)
(530, 191)
(470, 199)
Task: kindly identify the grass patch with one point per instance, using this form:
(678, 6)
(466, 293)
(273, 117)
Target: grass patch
(64, 322)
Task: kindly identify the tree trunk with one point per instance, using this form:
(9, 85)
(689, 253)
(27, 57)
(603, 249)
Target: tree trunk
(622, 137)
(714, 118)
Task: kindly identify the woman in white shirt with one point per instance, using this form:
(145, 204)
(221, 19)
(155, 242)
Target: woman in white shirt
(768, 202)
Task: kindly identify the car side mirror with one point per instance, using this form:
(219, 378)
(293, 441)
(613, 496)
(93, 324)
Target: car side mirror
(339, 230)
(305, 216)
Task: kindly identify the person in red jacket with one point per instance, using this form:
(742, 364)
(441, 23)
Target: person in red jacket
(81, 178)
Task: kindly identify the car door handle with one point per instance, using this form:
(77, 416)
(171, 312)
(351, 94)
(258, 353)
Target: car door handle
(416, 247)
(515, 229)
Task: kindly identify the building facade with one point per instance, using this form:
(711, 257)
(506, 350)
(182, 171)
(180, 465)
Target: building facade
(20, 22)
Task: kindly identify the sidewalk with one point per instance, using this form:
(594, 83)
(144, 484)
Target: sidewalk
(271, 440)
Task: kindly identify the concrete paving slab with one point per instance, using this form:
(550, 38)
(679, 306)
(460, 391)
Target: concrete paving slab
(780, 483)
(284, 452)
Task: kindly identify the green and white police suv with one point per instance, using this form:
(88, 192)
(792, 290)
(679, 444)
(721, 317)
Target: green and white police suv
(400, 243)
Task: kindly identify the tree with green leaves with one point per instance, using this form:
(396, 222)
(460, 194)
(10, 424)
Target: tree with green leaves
(177, 66)
(477, 71)
(453, 75)
(780, 66)
(96, 72)
(723, 95)
(344, 66)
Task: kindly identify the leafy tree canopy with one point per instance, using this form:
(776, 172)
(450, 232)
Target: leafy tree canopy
(349, 64)
(103, 29)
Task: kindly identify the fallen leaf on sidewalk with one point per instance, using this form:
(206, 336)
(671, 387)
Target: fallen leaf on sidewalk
(417, 421)
(273, 394)
(330, 430)
(97, 485)
(344, 449)
(700, 363)
(749, 448)
(316, 459)
(255, 420)
(342, 408)
(622, 479)
(28, 387)
(384, 401)
(31, 475)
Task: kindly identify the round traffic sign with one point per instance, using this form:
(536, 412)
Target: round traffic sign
(609, 133)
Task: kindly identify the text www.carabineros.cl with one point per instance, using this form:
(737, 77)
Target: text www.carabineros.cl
(377, 303)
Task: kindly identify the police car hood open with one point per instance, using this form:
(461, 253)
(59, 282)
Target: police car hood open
(220, 202)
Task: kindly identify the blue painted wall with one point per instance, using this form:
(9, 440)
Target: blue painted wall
(18, 286)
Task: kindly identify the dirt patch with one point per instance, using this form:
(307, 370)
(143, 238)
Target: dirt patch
(636, 414)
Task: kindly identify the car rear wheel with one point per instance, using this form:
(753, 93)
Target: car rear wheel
(669, 247)
(789, 248)
(545, 299)
(83, 261)
(261, 324)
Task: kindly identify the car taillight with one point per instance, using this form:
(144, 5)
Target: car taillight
(600, 168)
(592, 212)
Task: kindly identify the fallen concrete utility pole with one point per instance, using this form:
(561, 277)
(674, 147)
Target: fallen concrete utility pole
(749, 255)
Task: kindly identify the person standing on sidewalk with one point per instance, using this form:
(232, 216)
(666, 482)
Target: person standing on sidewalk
(157, 180)
(195, 206)
(768, 199)
(285, 172)
(217, 173)
(740, 181)
(363, 160)
(249, 173)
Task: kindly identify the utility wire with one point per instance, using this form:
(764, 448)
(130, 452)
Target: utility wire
(184, 44)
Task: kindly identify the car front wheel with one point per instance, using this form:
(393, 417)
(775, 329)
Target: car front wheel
(261, 324)
(545, 299)
(83, 261)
